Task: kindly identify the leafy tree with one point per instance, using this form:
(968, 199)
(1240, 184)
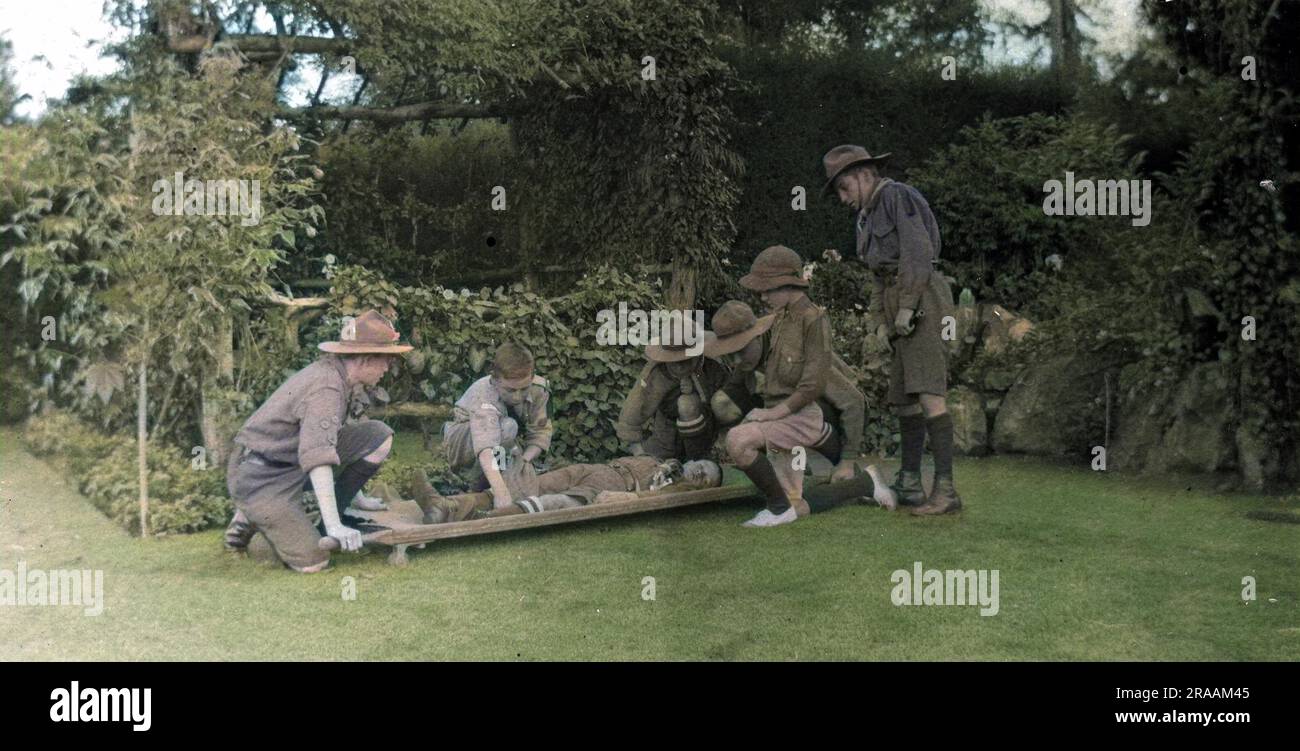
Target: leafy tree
(140, 288)
(9, 97)
(1243, 134)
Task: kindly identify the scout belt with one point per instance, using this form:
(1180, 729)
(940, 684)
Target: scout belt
(252, 457)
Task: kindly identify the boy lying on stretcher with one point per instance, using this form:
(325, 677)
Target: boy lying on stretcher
(621, 480)
(574, 485)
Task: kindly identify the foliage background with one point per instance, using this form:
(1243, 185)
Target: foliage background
(606, 170)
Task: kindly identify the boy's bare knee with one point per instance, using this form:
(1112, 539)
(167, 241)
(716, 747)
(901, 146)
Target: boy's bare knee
(933, 404)
(381, 453)
(740, 450)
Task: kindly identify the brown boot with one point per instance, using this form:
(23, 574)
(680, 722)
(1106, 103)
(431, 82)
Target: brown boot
(907, 487)
(465, 506)
(239, 533)
(943, 499)
(427, 499)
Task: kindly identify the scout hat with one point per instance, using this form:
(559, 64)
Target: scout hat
(776, 266)
(735, 325)
(677, 352)
(846, 157)
(368, 333)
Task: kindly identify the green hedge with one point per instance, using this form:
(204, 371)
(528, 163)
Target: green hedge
(181, 497)
(456, 332)
(417, 208)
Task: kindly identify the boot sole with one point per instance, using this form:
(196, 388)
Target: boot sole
(950, 510)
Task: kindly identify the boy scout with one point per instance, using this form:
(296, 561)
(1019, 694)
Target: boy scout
(492, 414)
(796, 360)
(898, 239)
(298, 435)
(672, 395)
(738, 344)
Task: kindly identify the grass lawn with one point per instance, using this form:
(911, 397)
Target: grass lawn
(1092, 567)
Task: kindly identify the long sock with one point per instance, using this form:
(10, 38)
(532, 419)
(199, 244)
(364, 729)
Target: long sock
(940, 429)
(830, 445)
(351, 479)
(912, 431)
(828, 495)
(763, 475)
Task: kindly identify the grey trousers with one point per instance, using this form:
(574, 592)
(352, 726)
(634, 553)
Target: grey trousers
(270, 495)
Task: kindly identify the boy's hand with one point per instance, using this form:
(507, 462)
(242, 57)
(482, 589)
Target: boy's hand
(843, 471)
(903, 325)
(349, 538)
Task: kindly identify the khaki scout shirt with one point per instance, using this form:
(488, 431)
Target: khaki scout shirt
(657, 390)
(300, 423)
(797, 356)
(586, 481)
(844, 396)
(483, 405)
(897, 235)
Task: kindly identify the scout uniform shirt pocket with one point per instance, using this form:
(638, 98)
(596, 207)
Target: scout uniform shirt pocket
(789, 366)
(882, 241)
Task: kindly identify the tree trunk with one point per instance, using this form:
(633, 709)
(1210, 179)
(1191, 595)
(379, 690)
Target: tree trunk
(215, 421)
(1065, 42)
(682, 286)
(142, 442)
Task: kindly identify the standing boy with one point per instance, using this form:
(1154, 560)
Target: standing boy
(898, 240)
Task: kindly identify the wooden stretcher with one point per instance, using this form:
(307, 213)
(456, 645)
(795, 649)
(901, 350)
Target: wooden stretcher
(401, 525)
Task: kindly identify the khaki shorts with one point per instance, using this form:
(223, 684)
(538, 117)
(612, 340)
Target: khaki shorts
(458, 442)
(270, 494)
(919, 364)
(803, 428)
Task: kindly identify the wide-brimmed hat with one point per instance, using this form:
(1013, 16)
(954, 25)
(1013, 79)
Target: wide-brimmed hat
(367, 334)
(777, 266)
(734, 326)
(846, 157)
(676, 352)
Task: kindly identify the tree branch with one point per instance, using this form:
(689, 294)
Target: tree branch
(260, 44)
(405, 113)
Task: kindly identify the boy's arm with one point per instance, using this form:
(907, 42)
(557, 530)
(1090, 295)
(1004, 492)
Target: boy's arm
(843, 393)
(500, 491)
(916, 251)
(322, 482)
(633, 416)
(538, 430)
(485, 435)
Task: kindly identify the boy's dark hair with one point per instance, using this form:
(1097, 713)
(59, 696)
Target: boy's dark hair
(512, 361)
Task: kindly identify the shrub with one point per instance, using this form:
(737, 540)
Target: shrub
(181, 497)
(986, 190)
